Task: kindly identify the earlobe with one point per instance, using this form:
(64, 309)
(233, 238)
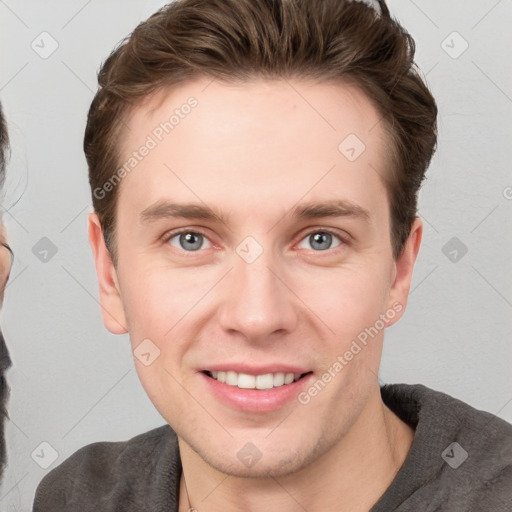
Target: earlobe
(404, 266)
(112, 308)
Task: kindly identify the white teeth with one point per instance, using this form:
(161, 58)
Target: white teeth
(231, 378)
(265, 381)
(278, 379)
(246, 381)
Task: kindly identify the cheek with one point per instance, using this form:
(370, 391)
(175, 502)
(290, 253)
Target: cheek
(347, 299)
(157, 304)
(157, 299)
(168, 307)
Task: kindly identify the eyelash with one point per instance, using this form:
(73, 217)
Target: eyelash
(344, 240)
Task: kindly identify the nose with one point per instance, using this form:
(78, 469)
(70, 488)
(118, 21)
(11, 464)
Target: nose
(258, 300)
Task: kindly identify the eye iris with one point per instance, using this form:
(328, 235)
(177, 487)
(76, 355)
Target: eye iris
(317, 239)
(195, 239)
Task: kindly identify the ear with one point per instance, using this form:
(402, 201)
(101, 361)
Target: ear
(404, 266)
(110, 298)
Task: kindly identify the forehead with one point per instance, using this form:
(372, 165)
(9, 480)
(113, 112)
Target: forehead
(324, 107)
(271, 136)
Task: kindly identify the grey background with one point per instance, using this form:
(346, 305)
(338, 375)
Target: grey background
(73, 383)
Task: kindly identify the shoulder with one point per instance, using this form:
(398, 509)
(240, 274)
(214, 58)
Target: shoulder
(418, 403)
(466, 452)
(120, 472)
(483, 444)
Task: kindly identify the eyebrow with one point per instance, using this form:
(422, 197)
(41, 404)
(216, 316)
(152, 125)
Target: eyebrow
(333, 208)
(165, 209)
(309, 210)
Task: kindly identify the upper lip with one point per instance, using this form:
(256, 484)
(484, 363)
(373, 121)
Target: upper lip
(256, 370)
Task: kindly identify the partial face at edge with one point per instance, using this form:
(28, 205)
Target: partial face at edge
(5, 262)
(256, 286)
(5, 361)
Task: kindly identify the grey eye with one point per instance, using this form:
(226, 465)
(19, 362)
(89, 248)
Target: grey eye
(188, 241)
(320, 240)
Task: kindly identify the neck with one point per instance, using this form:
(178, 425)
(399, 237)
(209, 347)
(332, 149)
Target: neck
(351, 476)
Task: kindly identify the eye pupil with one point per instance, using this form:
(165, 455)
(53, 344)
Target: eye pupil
(321, 241)
(195, 239)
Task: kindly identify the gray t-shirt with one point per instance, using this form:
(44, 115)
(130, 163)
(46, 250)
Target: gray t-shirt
(460, 461)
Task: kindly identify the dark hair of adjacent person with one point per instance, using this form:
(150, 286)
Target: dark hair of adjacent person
(5, 360)
(236, 41)
(4, 146)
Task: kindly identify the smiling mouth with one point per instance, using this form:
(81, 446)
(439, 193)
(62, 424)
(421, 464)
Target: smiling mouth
(264, 381)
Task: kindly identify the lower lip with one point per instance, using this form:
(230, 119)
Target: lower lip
(256, 400)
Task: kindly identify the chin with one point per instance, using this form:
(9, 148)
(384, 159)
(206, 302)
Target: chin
(275, 468)
(272, 461)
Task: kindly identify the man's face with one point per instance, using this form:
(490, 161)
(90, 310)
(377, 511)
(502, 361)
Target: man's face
(265, 290)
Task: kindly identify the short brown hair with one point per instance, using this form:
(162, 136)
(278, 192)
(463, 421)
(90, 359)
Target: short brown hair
(347, 41)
